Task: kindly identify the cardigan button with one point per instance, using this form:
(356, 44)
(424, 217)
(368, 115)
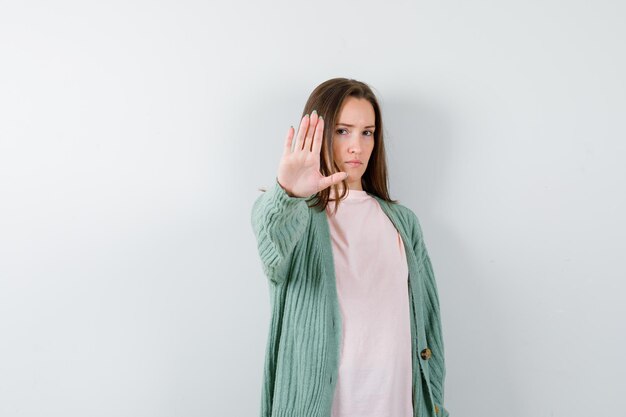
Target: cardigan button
(426, 353)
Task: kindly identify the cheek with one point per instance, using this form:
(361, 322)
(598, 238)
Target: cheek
(336, 150)
(370, 147)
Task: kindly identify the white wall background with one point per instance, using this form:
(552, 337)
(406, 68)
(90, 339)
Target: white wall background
(134, 135)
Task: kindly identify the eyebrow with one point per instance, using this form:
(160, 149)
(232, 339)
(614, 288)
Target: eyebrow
(346, 124)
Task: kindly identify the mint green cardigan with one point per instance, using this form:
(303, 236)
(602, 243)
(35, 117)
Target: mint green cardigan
(302, 353)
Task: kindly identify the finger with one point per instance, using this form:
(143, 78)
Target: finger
(309, 134)
(304, 124)
(332, 179)
(318, 137)
(288, 141)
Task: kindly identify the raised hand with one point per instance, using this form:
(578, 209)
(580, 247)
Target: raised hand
(299, 170)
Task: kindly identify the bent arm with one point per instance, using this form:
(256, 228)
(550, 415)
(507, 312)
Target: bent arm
(278, 221)
(434, 335)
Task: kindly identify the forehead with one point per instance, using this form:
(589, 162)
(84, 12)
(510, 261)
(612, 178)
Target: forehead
(356, 111)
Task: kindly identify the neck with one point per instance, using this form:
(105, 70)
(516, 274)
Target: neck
(356, 185)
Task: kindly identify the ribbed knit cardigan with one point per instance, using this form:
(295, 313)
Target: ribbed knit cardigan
(302, 353)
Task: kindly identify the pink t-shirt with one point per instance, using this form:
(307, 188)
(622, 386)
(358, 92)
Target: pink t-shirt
(375, 368)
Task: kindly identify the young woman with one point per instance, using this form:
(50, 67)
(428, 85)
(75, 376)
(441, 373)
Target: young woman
(355, 328)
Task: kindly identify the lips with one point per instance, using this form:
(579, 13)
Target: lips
(354, 163)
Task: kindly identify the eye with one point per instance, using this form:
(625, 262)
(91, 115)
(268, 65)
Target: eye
(368, 133)
(341, 130)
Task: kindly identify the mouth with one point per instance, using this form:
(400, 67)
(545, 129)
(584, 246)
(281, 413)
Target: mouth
(354, 163)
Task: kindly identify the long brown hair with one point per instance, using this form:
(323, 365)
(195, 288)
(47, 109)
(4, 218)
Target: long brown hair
(327, 99)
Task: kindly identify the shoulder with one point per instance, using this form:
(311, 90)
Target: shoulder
(400, 210)
(407, 217)
(405, 211)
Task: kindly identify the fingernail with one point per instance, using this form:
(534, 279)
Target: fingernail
(314, 111)
(321, 118)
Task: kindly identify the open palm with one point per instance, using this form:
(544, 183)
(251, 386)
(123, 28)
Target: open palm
(299, 170)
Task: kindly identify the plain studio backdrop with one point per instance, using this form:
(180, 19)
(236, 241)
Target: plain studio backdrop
(134, 136)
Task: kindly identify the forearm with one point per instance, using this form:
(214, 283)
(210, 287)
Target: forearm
(278, 221)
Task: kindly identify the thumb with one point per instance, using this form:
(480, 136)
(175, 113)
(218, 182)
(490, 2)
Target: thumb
(333, 179)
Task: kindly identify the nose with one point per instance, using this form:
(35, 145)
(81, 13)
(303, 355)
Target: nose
(355, 146)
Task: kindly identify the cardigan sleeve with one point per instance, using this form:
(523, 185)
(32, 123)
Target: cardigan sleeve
(434, 336)
(279, 222)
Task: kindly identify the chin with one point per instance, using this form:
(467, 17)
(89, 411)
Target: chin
(354, 178)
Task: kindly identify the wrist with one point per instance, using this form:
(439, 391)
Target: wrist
(286, 191)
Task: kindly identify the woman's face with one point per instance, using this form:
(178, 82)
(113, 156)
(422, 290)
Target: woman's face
(353, 139)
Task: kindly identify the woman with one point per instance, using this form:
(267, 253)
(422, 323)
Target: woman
(355, 328)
